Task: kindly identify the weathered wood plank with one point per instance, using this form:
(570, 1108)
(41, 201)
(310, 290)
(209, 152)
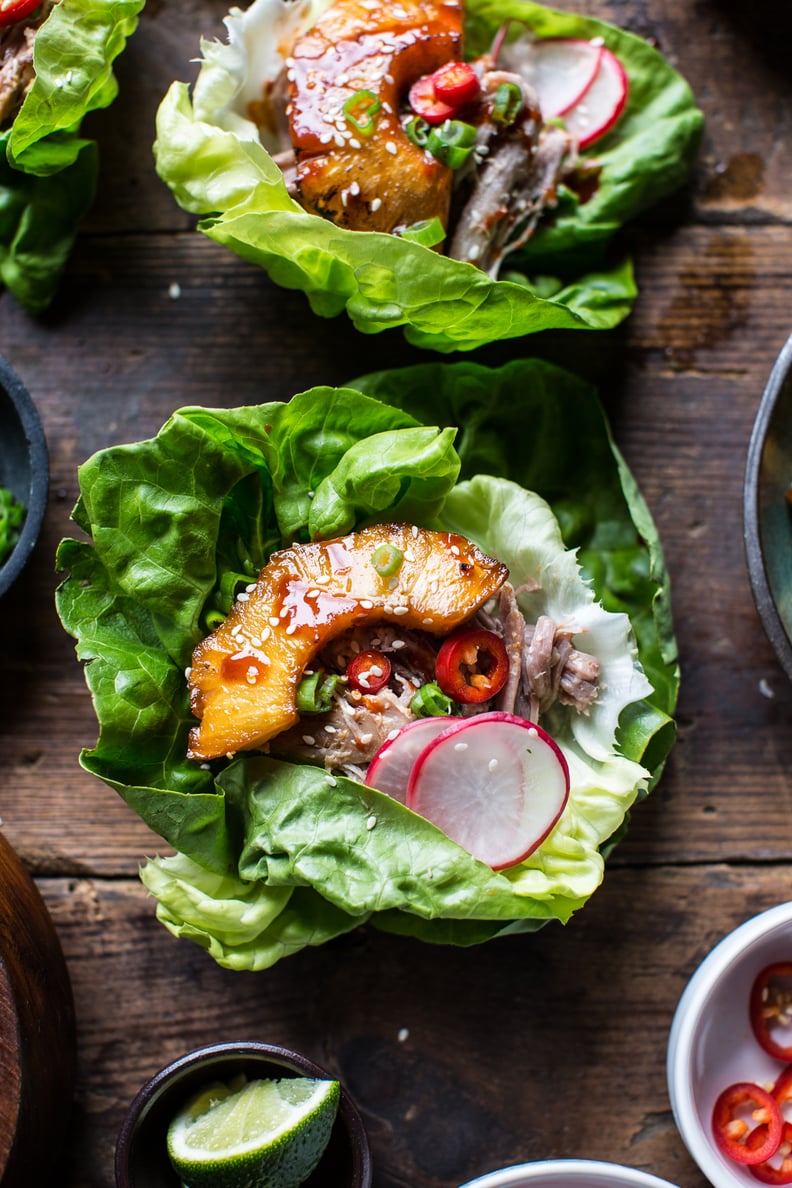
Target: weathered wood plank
(461, 1060)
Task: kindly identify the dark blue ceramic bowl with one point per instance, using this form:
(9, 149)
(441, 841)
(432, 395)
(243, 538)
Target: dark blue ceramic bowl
(24, 467)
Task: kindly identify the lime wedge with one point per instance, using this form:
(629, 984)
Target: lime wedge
(253, 1134)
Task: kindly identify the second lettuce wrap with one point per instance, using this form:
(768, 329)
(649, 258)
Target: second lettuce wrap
(210, 155)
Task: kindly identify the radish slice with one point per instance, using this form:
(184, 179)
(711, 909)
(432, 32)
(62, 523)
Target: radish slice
(560, 69)
(389, 770)
(494, 783)
(601, 105)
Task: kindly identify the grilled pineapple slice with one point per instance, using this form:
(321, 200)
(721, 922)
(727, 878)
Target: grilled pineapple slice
(355, 165)
(244, 676)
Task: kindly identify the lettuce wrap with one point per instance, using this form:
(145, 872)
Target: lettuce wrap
(48, 171)
(271, 855)
(211, 156)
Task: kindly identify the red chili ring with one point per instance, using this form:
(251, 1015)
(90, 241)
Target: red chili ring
(736, 1146)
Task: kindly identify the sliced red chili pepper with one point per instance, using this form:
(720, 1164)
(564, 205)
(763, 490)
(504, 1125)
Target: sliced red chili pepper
(369, 671)
(771, 1009)
(12, 11)
(426, 104)
(456, 83)
(734, 1135)
(782, 1090)
(779, 1172)
(472, 665)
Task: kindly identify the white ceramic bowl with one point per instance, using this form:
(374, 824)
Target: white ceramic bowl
(712, 1046)
(568, 1173)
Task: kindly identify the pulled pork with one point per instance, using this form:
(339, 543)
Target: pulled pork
(16, 66)
(544, 668)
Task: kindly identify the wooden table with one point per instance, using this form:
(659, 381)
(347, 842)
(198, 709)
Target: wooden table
(529, 1047)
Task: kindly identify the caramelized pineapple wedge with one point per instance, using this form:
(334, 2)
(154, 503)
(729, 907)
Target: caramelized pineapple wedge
(244, 676)
(348, 73)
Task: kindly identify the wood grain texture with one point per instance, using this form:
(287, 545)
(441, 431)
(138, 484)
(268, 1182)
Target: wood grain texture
(531, 1047)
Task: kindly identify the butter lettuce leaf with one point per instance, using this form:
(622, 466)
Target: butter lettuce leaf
(210, 155)
(270, 855)
(48, 170)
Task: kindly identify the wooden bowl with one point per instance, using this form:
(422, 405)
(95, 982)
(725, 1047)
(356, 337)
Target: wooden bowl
(37, 1033)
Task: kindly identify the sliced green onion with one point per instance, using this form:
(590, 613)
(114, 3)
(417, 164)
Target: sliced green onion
(387, 560)
(452, 142)
(431, 702)
(417, 131)
(12, 514)
(427, 232)
(507, 103)
(360, 111)
(315, 693)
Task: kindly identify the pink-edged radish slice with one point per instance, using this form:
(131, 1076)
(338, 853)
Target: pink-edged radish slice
(600, 107)
(389, 770)
(560, 70)
(495, 783)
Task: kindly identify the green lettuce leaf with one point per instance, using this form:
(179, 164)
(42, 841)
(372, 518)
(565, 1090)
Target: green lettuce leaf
(48, 171)
(39, 217)
(273, 855)
(209, 154)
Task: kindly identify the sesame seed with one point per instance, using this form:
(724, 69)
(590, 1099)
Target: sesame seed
(290, 630)
(309, 740)
(187, 673)
(331, 781)
(236, 630)
(401, 610)
(354, 188)
(455, 550)
(460, 746)
(414, 530)
(392, 734)
(426, 622)
(403, 1035)
(371, 822)
(331, 729)
(243, 597)
(355, 143)
(366, 603)
(492, 765)
(274, 622)
(376, 204)
(366, 739)
(391, 147)
(397, 643)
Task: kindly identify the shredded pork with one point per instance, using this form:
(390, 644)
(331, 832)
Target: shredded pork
(544, 668)
(16, 67)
